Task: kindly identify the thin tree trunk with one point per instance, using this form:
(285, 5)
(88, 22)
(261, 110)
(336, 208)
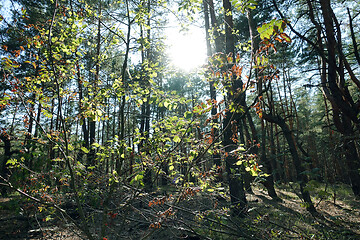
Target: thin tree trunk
(83, 122)
(121, 130)
(214, 25)
(146, 110)
(214, 132)
(92, 122)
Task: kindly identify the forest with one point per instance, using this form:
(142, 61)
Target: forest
(103, 137)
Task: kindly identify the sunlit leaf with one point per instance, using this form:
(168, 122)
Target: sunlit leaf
(85, 150)
(177, 139)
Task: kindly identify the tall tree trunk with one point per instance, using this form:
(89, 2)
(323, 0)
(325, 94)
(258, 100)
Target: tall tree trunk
(83, 122)
(122, 102)
(250, 144)
(51, 149)
(345, 110)
(92, 122)
(351, 156)
(146, 110)
(214, 132)
(269, 181)
(277, 169)
(236, 97)
(29, 136)
(214, 25)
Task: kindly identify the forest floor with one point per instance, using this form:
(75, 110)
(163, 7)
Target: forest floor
(336, 218)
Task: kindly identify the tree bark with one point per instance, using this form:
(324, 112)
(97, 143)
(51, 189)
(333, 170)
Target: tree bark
(92, 122)
(214, 132)
(214, 25)
(146, 110)
(6, 139)
(296, 159)
(345, 111)
(235, 178)
(269, 181)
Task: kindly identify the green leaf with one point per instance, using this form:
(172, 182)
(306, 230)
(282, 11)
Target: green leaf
(188, 115)
(239, 162)
(138, 178)
(177, 139)
(96, 145)
(46, 113)
(167, 104)
(71, 147)
(12, 161)
(275, 26)
(85, 150)
(253, 173)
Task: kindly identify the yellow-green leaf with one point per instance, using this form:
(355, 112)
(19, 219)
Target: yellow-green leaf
(177, 139)
(85, 150)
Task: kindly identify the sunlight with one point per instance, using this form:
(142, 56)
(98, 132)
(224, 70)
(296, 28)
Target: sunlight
(187, 50)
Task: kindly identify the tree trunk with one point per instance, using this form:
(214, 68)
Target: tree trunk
(269, 181)
(92, 122)
(214, 132)
(235, 178)
(122, 102)
(6, 138)
(296, 159)
(146, 110)
(351, 156)
(214, 25)
(85, 132)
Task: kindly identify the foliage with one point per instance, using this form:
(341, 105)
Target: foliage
(98, 131)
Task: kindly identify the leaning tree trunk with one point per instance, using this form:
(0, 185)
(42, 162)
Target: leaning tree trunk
(296, 159)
